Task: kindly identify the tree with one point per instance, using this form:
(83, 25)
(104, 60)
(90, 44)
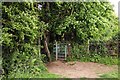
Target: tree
(81, 21)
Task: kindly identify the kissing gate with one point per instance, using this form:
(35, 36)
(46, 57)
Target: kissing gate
(61, 50)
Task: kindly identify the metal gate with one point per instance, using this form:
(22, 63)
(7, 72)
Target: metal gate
(60, 50)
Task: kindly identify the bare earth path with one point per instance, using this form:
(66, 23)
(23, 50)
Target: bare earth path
(79, 69)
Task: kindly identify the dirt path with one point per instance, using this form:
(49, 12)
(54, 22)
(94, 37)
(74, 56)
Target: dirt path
(79, 69)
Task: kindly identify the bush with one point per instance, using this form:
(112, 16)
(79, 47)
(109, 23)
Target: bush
(20, 31)
(79, 52)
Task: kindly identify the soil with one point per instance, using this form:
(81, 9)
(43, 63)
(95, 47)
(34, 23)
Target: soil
(79, 69)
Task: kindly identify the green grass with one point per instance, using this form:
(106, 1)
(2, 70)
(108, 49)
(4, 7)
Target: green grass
(43, 76)
(29, 75)
(107, 60)
(49, 75)
(110, 75)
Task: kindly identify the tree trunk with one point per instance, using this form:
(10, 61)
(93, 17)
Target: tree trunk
(46, 46)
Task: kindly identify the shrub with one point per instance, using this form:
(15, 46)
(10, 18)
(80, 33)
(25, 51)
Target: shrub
(20, 31)
(79, 52)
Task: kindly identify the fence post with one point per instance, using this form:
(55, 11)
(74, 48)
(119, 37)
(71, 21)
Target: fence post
(88, 46)
(65, 52)
(39, 44)
(56, 51)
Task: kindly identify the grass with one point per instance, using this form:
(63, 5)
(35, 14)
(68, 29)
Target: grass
(50, 75)
(110, 75)
(107, 60)
(29, 75)
(43, 76)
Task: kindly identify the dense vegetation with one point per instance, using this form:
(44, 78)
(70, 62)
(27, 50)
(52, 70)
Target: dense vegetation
(98, 52)
(28, 27)
(20, 34)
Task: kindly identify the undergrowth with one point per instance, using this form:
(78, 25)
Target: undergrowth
(79, 53)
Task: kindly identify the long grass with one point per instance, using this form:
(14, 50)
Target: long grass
(110, 75)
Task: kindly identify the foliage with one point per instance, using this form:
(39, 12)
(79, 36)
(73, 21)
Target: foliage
(20, 31)
(94, 21)
(79, 52)
(24, 24)
(80, 22)
(44, 58)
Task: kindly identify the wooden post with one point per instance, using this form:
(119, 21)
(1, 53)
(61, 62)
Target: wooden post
(65, 52)
(39, 42)
(88, 47)
(68, 49)
(56, 51)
